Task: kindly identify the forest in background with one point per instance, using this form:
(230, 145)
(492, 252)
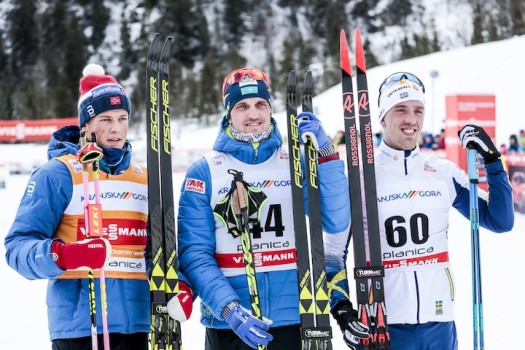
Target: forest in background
(45, 44)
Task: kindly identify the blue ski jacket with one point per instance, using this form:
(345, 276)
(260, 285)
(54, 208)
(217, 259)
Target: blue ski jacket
(278, 290)
(28, 251)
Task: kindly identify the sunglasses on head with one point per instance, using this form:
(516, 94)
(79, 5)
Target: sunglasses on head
(241, 74)
(397, 77)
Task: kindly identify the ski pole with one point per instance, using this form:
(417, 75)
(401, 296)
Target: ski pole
(477, 310)
(103, 298)
(90, 153)
(240, 203)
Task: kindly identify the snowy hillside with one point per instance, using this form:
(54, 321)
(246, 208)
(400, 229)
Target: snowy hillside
(490, 68)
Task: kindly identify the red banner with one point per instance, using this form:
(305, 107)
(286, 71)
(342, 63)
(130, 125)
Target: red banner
(468, 109)
(32, 130)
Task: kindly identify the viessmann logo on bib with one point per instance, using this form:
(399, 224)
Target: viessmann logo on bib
(119, 231)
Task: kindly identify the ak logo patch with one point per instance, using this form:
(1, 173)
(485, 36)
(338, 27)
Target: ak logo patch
(194, 185)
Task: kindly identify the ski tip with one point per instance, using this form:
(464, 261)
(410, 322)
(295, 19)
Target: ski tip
(359, 53)
(166, 47)
(344, 56)
(291, 80)
(308, 83)
(153, 53)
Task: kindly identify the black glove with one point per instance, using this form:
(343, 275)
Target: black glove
(346, 318)
(473, 136)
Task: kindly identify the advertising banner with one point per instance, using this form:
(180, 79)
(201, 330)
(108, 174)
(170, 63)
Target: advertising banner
(32, 130)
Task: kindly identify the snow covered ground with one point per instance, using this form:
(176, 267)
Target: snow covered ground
(22, 302)
(489, 68)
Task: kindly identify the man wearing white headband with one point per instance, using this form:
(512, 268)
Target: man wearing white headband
(415, 193)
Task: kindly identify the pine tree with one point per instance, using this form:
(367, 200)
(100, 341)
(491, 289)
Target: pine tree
(434, 45)
(234, 21)
(128, 57)
(493, 30)
(286, 64)
(99, 17)
(422, 44)
(503, 20)
(55, 20)
(477, 24)
(209, 88)
(24, 38)
(407, 51)
(317, 14)
(187, 24)
(517, 17)
(371, 59)
(335, 20)
(6, 107)
(74, 63)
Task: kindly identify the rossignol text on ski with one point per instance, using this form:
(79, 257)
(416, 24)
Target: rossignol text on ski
(368, 266)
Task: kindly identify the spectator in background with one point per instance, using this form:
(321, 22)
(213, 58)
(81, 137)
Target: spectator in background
(378, 138)
(503, 149)
(514, 146)
(339, 139)
(428, 141)
(439, 142)
(521, 140)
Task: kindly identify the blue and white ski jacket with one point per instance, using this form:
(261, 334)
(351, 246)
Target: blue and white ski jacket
(42, 213)
(415, 193)
(211, 258)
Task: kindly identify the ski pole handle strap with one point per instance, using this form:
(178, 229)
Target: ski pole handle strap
(89, 153)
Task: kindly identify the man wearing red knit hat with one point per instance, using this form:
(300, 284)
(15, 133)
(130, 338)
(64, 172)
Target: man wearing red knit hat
(48, 237)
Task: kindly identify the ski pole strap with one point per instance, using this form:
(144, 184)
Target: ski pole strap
(472, 165)
(89, 152)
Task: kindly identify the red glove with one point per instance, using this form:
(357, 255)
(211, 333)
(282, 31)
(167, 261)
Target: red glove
(91, 253)
(180, 306)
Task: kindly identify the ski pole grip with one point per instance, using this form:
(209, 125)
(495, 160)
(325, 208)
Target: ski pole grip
(472, 165)
(241, 195)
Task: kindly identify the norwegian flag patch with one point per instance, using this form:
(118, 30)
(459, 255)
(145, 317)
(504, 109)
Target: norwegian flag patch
(114, 100)
(195, 185)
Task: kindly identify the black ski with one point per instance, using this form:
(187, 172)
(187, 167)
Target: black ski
(369, 277)
(314, 308)
(165, 332)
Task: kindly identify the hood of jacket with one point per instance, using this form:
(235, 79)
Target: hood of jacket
(250, 153)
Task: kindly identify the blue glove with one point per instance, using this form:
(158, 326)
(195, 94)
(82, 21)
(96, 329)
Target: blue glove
(310, 126)
(251, 330)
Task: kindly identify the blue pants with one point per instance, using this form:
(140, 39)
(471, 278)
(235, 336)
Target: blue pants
(426, 336)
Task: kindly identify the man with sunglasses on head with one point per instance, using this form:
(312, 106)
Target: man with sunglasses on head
(249, 142)
(415, 193)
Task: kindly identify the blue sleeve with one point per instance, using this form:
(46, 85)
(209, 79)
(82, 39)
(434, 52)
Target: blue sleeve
(28, 242)
(336, 254)
(335, 209)
(335, 199)
(496, 211)
(196, 241)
